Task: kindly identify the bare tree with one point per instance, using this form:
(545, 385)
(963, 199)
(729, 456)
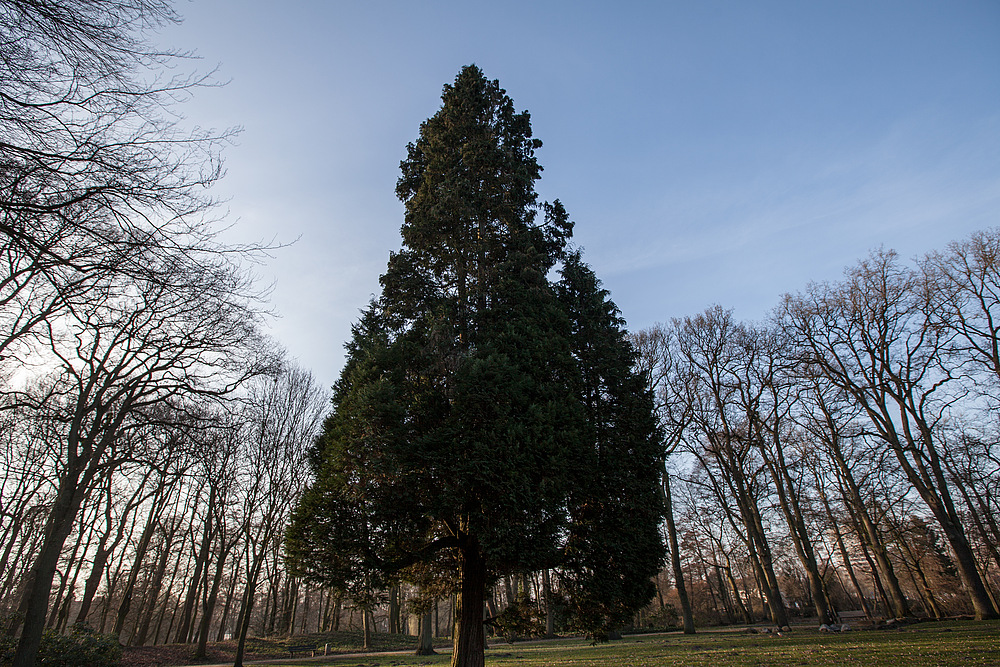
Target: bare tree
(769, 398)
(115, 284)
(27, 488)
(873, 337)
(722, 438)
(657, 362)
(97, 173)
(283, 415)
(962, 290)
(830, 419)
(221, 477)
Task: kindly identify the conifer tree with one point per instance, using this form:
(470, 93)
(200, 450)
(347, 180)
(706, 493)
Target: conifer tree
(459, 436)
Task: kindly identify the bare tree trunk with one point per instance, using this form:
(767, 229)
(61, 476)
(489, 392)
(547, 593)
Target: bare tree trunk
(842, 548)
(300, 610)
(209, 605)
(425, 636)
(940, 502)
(72, 489)
(65, 579)
(687, 614)
(98, 565)
(550, 617)
(737, 595)
(246, 606)
(18, 511)
(184, 629)
(155, 585)
(797, 530)
(227, 607)
(394, 613)
(140, 555)
(868, 532)
(762, 551)
(291, 606)
(727, 603)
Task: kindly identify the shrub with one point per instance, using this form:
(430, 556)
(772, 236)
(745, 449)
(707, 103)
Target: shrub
(520, 620)
(83, 647)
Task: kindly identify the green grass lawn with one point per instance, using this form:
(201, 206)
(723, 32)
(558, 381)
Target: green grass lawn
(946, 644)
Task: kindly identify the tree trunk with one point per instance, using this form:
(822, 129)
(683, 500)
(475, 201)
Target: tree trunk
(66, 581)
(140, 555)
(300, 615)
(281, 613)
(425, 634)
(508, 589)
(249, 593)
(470, 642)
(184, 630)
(65, 578)
(244, 616)
(16, 518)
(34, 604)
(227, 607)
(394, 625)
(988, 533)
(550, 617)
(155, 585)
(675, 557)
(209, 607)
(797, 530)
(930, 482)
(737, 595)
(844, 556)
(366, 627)
(94, 578)
(727, 603)
(868, 533)
(765, 561)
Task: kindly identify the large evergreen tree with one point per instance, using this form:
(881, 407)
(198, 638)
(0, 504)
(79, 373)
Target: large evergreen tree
(462, 445)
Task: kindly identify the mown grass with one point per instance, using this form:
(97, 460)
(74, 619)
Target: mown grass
(946, 644)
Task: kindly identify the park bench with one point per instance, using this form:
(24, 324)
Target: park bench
(852, 615)
(301, 647)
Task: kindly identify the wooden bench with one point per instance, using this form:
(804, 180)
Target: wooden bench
(853, 615)
(301, 647)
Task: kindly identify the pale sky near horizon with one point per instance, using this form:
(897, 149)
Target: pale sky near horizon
(709, 152)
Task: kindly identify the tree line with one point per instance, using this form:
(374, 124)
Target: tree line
(842, 454)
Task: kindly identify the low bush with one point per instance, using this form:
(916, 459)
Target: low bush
(83, 647)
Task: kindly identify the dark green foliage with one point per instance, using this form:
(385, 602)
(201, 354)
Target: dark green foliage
(521, 620)
(7, 643)
(477, 429)
(664, 618)
(615, 546)
(82, 648)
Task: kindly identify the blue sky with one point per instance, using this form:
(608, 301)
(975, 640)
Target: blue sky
(709, 152)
